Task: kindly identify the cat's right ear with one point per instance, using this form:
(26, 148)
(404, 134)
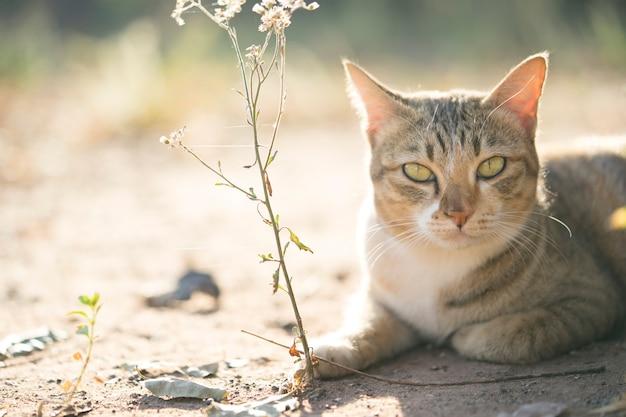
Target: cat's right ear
(374, 103)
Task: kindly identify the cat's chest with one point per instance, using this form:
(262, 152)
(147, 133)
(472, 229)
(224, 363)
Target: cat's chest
(411, 284)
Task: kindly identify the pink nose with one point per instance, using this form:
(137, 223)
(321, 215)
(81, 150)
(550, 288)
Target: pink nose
(459, 217)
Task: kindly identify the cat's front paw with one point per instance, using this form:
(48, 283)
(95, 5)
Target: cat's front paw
(499, 341)
(337, 350)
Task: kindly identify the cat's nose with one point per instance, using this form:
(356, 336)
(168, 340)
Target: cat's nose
(459, 217)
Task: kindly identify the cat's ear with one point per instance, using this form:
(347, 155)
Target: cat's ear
(520, 90)
(374, 103)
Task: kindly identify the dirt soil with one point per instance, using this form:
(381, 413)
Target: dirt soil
(127, 218)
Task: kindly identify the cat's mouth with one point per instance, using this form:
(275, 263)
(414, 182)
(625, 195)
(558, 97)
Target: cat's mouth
(455, 238)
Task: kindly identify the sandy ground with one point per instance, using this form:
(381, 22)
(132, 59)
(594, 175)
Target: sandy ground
(126, 218)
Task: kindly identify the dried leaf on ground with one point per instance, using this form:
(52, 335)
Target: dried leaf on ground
(169, 388)
(191, 282)
(539, 409)
(237, 363)
(154, 369)
(22, 344)
(273, 406)
(202, 371)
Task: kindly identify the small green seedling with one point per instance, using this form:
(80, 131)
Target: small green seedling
(86, 328)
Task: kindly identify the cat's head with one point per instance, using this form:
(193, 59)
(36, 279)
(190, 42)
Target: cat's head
(453, 169)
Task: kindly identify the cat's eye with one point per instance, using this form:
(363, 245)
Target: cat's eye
(417, 172)
(491, 167)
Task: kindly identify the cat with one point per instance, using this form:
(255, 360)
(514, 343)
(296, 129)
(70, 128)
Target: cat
(467, 238)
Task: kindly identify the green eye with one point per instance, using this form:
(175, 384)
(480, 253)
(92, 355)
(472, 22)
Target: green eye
(491, 167)
(417, 172)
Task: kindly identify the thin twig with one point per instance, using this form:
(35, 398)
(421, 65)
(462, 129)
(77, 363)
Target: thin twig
(584, 371)
(219, 174)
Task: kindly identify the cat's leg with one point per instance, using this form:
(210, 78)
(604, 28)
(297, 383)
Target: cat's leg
(537, 334)
(371, 333)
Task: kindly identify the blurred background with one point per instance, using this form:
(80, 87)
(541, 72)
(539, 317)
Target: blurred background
(90, 201)
(120, 68)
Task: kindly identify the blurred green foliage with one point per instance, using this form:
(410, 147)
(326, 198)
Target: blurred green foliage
(41, 36)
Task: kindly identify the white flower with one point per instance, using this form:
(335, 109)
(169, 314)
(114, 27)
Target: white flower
(275, 18)
(227, 9)
(174, 139)
(276, 14)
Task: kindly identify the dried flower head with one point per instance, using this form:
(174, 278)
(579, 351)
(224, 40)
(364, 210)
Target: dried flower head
(227, 10)
(253, 55)
(276, 14)
(174, 139)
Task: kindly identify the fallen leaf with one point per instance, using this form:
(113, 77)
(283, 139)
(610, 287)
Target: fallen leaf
(273, 406)
(22, 344)
(202, 371)
(191, 282)
(168, 388)
(236, 363)
(539, 409)
(154, 369)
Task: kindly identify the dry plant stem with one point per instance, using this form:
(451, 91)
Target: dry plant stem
(262, 166)
(251, 97)
(584, 371)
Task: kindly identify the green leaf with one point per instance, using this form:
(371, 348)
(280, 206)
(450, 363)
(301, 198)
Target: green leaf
(222, 184)
(94, 299)
(272, 157)
(78, 313)
(84, 299)
(266, 257)
(277, 220)
(296, 241)
(83, 329)
(275, 279)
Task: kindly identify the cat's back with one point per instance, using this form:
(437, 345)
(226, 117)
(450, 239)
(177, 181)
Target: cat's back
(584, 191)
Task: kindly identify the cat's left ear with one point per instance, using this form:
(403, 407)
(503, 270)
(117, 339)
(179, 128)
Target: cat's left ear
(374, 103)
(520, 90)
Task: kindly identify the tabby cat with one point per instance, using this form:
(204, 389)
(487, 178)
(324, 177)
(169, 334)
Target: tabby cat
(468, 240)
